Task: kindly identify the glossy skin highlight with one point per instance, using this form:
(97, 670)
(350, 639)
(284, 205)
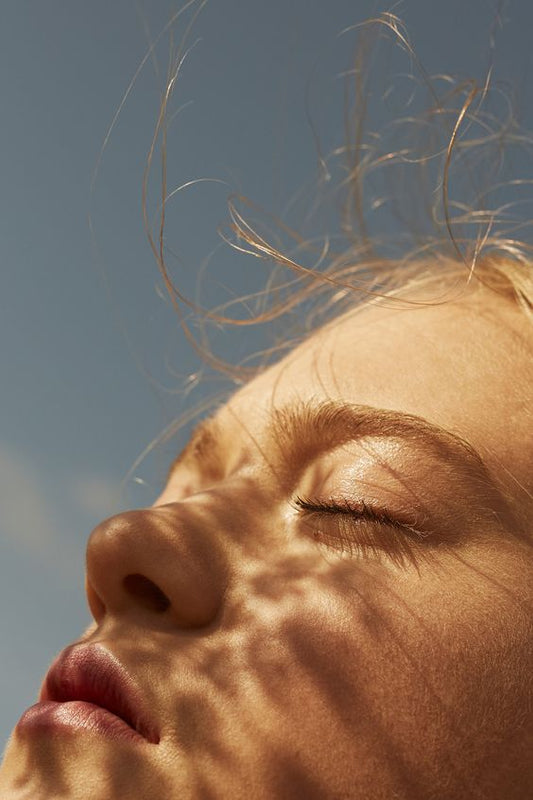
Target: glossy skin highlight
(378, 648)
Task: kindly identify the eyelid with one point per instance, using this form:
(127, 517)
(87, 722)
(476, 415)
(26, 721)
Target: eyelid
(363, 530)
(361, 509)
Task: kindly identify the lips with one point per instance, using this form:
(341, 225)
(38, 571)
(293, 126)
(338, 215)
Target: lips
(91, 674)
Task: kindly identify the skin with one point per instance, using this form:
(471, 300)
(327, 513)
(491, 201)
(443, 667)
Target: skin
(305, 655)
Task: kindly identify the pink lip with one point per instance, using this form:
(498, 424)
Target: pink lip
(87, 688)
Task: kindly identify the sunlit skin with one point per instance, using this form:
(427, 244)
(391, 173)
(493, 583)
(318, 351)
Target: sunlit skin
(307, 654)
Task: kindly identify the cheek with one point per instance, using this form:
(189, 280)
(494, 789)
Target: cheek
(405, 665)
(366, 682)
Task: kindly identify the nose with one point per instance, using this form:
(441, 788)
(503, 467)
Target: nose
(156, 561)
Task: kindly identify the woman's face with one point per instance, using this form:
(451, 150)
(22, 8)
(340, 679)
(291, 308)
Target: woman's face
(332, 596)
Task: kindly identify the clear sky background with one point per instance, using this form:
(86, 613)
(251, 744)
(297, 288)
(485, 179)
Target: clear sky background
(91, 358)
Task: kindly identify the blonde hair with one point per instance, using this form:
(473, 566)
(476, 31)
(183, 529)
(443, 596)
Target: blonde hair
(442, 181)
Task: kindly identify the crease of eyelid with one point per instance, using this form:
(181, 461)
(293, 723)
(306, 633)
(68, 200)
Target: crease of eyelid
(415, 503)
(407, 487)
(429, 509)
(332, 423)
(336, 423)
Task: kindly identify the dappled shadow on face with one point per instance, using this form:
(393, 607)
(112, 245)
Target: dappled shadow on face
(318, 676)
(80, 766)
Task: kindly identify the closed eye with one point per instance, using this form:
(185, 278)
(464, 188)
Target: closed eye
(361, 530)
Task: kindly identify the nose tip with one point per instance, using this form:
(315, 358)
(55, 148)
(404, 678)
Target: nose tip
(158, 562)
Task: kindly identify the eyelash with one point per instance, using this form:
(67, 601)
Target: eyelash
(362, 530)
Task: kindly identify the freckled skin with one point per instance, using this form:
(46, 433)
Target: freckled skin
(283, 668)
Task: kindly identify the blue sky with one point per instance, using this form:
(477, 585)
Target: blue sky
(92, 359)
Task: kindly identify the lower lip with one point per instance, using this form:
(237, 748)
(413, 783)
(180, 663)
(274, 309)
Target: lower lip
(75, 715)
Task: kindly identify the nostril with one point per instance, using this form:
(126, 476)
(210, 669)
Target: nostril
(145, 591)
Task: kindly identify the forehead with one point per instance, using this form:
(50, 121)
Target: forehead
(465, 365)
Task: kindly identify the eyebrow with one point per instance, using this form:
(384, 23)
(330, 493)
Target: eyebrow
(307, 429)
(302, 430)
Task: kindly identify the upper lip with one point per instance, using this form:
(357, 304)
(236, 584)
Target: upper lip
(91, 673)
